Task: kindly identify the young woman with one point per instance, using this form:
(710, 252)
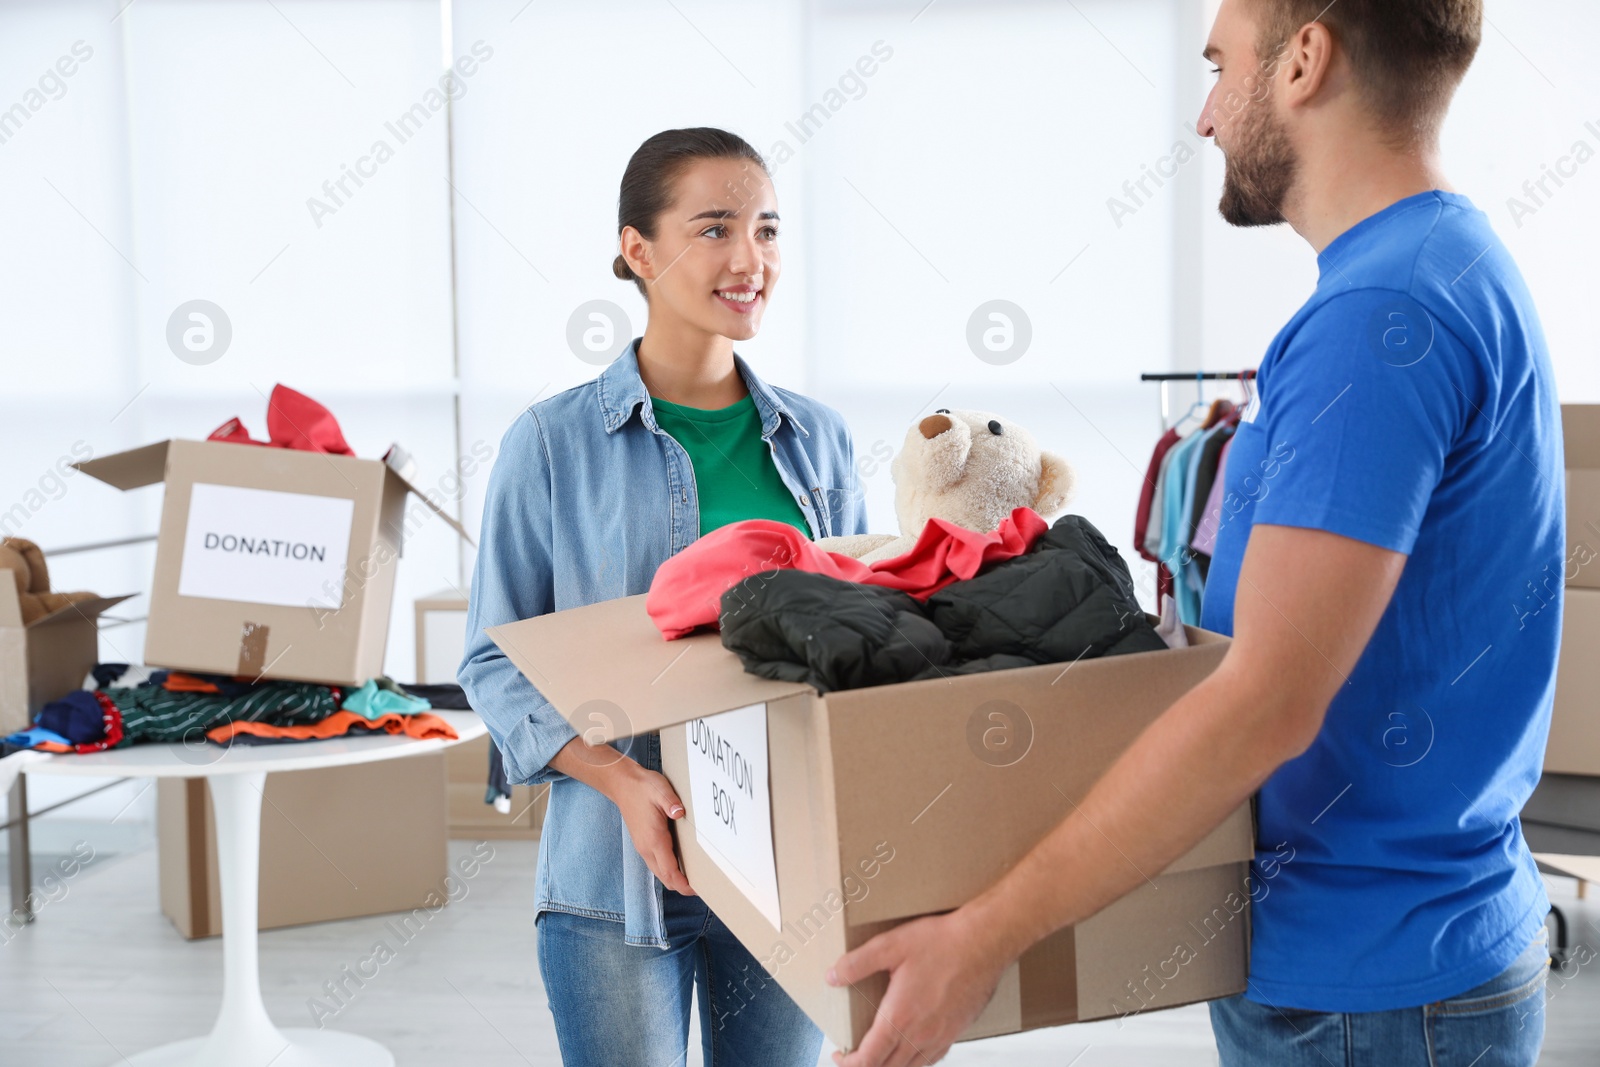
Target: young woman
(593, 489)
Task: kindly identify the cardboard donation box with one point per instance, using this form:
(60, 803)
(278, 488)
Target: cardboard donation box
(1574, 746)
(46, 659)
(441, 641)
(336, 843)
(1581, 430)
(817, 821)
(271, 562)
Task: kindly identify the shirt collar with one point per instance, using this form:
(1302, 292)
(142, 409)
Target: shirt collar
(622, 392)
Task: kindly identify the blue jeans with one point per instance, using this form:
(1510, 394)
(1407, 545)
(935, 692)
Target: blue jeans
(621, 1005)
(1498, 1024)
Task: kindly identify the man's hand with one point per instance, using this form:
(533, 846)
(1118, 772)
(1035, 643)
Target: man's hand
(942, 972)
(1307, 603)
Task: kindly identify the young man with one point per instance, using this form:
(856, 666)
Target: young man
(1390, 566)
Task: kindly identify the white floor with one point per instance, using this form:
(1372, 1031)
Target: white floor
(102, 975)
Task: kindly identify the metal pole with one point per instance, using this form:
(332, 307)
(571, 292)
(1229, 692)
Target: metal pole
(21, 859)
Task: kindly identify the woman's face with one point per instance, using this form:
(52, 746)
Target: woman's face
(714, 262)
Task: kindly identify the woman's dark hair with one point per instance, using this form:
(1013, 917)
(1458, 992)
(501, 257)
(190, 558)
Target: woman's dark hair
(647, 184)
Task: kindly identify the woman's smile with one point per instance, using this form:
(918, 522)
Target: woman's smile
(741, 299)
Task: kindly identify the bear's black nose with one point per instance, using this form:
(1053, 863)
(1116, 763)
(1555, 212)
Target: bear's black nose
(994, 426)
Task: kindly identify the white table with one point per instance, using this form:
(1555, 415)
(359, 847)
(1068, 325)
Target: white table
(243, 1035)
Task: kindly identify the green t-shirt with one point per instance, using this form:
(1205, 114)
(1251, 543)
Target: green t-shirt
(733, 470)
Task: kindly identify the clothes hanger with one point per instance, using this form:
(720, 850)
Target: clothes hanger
(1222, 409)
(1199, 403)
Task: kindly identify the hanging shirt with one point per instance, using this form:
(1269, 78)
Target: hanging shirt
(733, 469)
(1147, 494)
(1205, 534)
(1410, 404)
(1178, 493)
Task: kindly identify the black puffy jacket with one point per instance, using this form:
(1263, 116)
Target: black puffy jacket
(1070, 597)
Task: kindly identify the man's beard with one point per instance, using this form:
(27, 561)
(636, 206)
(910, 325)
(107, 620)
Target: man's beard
(1260, 170)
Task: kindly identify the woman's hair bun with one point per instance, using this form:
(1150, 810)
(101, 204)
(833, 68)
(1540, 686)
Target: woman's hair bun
(620, 268)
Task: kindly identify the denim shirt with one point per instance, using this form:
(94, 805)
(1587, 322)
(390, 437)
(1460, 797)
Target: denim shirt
(587, 498)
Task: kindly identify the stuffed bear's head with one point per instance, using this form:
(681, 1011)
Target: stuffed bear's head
(974, 468)
(26, 564)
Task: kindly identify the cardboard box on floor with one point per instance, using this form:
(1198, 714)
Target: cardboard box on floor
(1574, 746)
(441, 639)
(46, 659)
(815, 822)
(1581, 431)
(336, 843)
(271, 562)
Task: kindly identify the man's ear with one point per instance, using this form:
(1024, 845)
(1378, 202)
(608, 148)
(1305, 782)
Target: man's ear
(1308, 55)
(1056, 480)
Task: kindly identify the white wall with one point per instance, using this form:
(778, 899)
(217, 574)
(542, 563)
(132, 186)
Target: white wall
(176, 165)
(974, 163)
(1526, 101)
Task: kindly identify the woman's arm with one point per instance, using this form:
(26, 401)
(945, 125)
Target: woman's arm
(513, 580)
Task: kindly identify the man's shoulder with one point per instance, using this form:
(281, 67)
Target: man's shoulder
(1430, 252)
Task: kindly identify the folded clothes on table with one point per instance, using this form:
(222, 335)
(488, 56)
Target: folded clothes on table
(38, 737)
(382, 696)
(445, 696)
(41, 737)
(77, 717)
(175, 706)
(154, 713)
(422, 726)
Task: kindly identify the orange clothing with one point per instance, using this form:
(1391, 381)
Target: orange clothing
(422, 726)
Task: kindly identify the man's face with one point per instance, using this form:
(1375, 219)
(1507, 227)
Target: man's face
(1239, 115)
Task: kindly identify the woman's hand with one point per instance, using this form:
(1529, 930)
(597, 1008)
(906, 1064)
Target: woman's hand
(645, 798)
(649, 805)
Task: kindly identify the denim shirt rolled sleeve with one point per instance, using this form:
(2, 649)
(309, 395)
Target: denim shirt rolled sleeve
(513, 581)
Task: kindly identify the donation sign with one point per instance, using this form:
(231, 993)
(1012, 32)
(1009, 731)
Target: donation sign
(265, 547)
(733, 801)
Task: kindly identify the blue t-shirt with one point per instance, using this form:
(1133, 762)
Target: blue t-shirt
(1409, 404)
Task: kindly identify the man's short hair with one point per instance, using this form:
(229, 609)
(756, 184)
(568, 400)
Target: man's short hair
(1407, 55)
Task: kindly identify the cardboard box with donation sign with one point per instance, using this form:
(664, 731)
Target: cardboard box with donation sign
(271, 562)
(817, 821)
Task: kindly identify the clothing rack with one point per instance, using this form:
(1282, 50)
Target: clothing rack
(1168, 377)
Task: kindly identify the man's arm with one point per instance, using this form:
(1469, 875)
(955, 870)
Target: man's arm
(1307, 604)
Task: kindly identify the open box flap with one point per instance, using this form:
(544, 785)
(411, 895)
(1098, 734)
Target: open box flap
(610, 673)
(144, 465)
(83, 609)
(411, 487)
(11, 608)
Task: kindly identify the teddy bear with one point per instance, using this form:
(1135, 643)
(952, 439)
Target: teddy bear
(971, 468)
(26, 563)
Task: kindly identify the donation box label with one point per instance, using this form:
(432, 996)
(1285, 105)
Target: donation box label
(263, 546)
(733, 801)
